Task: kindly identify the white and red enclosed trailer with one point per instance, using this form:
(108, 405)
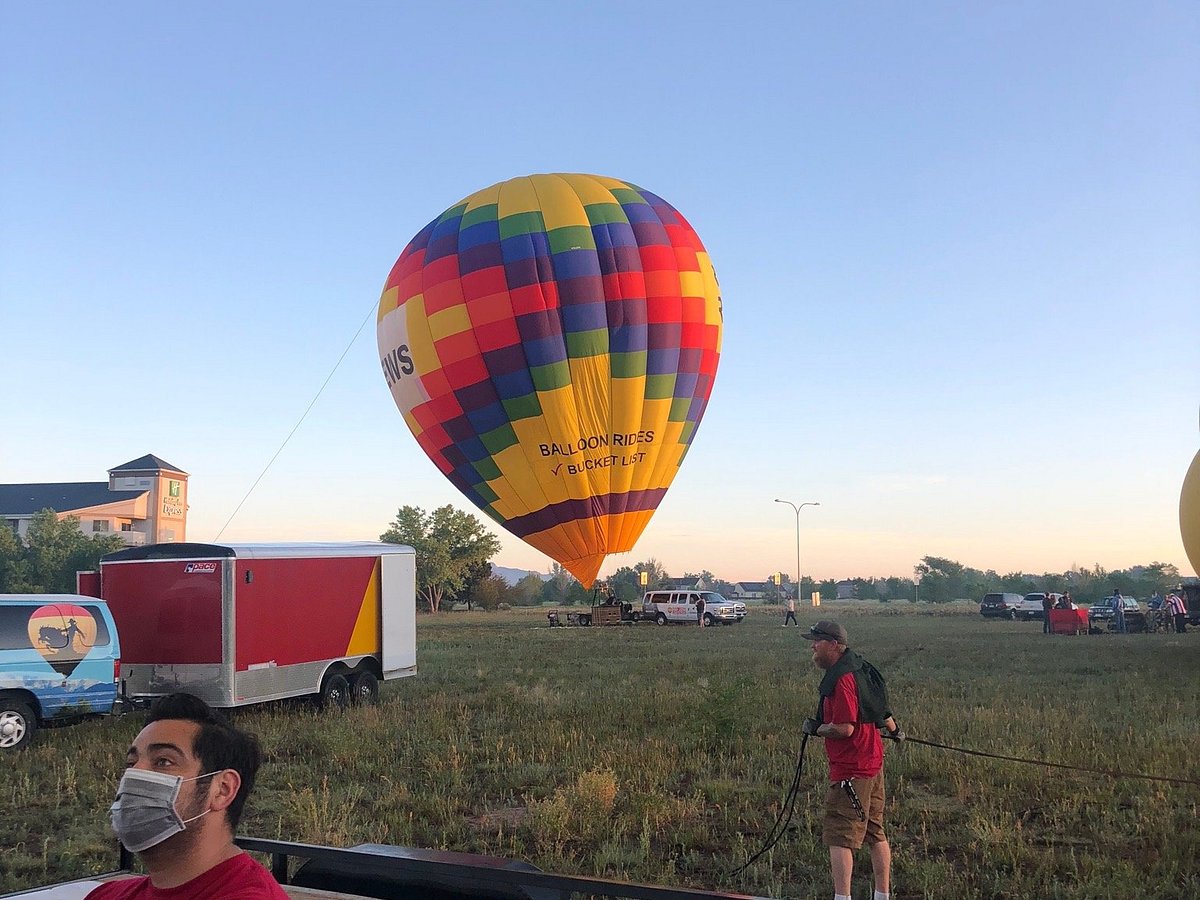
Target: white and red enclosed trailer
(237, 624)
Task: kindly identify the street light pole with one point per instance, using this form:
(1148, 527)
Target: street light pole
(799, 580)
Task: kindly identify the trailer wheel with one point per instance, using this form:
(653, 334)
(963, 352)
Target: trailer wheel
(335, 692)
(660, 619)
(364, 690)
(17, 724)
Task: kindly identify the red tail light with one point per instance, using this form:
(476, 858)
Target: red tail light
(116, 670)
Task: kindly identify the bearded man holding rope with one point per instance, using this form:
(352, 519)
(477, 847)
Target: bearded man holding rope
(850, 715)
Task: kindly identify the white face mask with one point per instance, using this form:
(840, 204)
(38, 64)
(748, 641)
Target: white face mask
(143, 814)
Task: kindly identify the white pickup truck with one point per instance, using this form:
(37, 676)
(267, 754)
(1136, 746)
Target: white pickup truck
(680, 606)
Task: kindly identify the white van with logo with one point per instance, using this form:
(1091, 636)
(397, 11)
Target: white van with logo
(680, 606)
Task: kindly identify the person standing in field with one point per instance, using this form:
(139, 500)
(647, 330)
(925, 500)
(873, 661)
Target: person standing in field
(791, 613)
(700, 610)
(1047, 605)
(850, 714)
(188, 774)
(1178, 610)
(1118, 603)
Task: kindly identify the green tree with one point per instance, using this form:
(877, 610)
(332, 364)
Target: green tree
(1016, 582)
(475, 575)
(828, 589)
(577, 594)
(14, 570)
(55, 550)
(1157, 577)
(489, 593)
(556, 586)
(564, 589)
(772, 594)
(528, 591)
(656, 575)
(705, 579)
(449, 543)
(724, 588)
(866, 589)
(942, 579)
(624, 583)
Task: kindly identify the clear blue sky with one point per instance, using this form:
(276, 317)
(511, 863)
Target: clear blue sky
(958, 244)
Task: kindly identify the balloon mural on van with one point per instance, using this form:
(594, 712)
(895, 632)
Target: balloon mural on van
(552, 342)
(62, 633)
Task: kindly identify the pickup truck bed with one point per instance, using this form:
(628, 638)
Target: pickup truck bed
(408, 872)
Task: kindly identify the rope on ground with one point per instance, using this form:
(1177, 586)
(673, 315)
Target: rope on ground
(784, 819)
(1111, 773)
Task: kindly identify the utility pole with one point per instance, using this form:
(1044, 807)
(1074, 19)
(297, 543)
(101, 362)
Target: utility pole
(799, 579)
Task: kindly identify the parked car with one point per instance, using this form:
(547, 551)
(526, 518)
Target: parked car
(59, 660)
(680, 606)
(1105, 612)
(1030, 606)
(999, 606)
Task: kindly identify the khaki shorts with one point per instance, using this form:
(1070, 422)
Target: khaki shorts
(842, 826)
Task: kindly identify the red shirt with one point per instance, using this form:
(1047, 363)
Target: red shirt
(861, 754)
(238, 878)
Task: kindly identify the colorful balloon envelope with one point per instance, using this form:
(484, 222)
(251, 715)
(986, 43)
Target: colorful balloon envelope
(552, 342)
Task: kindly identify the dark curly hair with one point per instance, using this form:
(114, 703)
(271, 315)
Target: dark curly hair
(218, 746)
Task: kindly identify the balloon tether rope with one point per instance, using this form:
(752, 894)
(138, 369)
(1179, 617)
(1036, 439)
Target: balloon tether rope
(303, 416)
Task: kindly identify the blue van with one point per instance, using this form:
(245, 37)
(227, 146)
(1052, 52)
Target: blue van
(59, 659)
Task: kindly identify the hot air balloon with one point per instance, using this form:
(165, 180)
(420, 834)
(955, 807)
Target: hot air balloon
(551, 342)
(1189, 514)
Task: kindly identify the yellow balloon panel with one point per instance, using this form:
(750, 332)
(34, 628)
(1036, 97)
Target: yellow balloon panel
(1189, 514)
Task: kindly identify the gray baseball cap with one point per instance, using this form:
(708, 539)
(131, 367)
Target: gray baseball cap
(827, 631)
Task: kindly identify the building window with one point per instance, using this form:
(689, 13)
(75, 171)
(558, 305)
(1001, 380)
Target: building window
(99, 524)
(172, 488)
(127, 526)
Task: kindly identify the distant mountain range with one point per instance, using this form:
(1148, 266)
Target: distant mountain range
(512, 576)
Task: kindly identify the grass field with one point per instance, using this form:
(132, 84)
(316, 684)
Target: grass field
(662, 754)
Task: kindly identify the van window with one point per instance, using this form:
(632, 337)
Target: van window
(14, 632)
(14, 626)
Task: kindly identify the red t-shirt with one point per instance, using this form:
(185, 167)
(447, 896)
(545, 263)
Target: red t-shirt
(861, 754)
(238, 878)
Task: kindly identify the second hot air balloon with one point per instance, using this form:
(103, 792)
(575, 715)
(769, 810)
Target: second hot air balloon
(552, 343)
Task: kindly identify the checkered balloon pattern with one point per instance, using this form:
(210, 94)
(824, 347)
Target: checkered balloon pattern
(552, 342)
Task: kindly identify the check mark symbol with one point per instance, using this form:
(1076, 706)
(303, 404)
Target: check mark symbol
(556, 468)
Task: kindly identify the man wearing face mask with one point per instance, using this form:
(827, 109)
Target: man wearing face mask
(178, 805)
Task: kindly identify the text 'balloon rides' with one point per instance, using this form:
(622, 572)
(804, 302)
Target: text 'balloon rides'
(552, 342)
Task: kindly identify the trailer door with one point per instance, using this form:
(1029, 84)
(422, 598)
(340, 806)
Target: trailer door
(169, 613)
(398, 608)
